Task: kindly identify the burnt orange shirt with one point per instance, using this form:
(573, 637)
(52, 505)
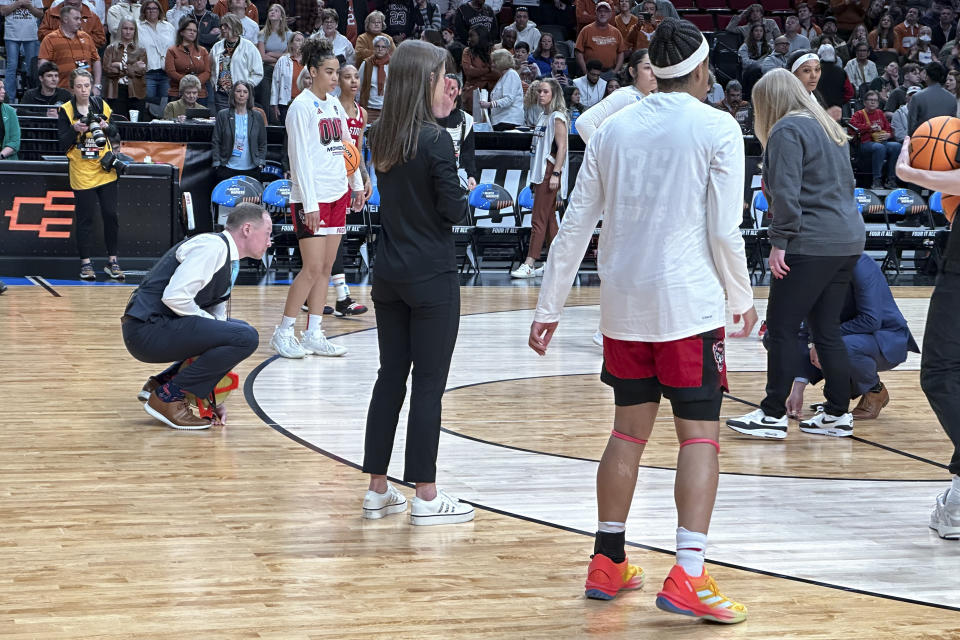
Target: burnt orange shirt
(601, 43)
(221, 10)
(69, 53)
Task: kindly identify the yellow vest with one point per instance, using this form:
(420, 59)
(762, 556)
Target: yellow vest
(85, 173)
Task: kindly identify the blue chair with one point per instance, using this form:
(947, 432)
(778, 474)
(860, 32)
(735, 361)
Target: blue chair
(936, 202)
(490, 197)
(277, 194)
(759, 204)
(231, 192)
(525, 198)
(374, 200)
(904, 202)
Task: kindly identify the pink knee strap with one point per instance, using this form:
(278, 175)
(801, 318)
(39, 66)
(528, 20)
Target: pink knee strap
(623, 436)
(701, 440)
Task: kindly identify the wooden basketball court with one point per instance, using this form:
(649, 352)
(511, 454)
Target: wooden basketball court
(114, 526)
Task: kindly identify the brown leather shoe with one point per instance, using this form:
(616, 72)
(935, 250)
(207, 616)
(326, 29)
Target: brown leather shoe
(148, 387)
(870, 404)
(176, 414)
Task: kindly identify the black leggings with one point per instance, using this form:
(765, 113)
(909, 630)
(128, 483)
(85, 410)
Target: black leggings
(417, 325)
(87, 201)
(940, 361)
(814, 290)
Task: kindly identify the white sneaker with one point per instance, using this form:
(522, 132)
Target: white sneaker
(376, 505)
(828, 425)
(945, 518)
(757, 423)
(443, 509)
(286, 344)
(538, 272)
(598, 338)
(316, 343)
(523, 271)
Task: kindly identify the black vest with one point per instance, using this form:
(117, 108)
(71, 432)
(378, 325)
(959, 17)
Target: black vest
(147, 300)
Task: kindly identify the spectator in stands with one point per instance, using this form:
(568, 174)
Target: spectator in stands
(155, 36)
(48, 92)
(403, 19)
(341, 45)
(469, 16)
(239, 136)
(625, 21)
(208, 24)
(889, 82)
(125, 65)
(647, 21)
(251, 30)
(92, 186)
(751, 16)
(834, 87)
(898, 96)
(558, 71)
(808, 28)
(601, 41)
(884, 37)
(613, 83)
(118, 11)
(734, 104)
(830, 36)
(508, 40)
(900, 117)
(791, 31)
(592, 85)
(586, 12)
(946, 29)
(189, 89)
(9, 128)
(526, 30)
(430, 18)
(284, 85)
(643, 83)
(232, 59)
(806, 66)
(755, 48)
(372, 28)
(179, 11)
(571, 96)
(272, 42)
(874, 12)
(857, 36)
(70, 48)
(352, 14)
(952, 84)
(777, 59)
(531, 105)
(549, 166)
(373, 78)
(459, 124)
(909, 30)
(521, 53)
(848, 14)
(861, 70)
(475, 62)
(923, 52)
(876, 140)
(222, 8)
(186, 57)
(21, 40)
(506, 97)
(544, 53)
(89, 24)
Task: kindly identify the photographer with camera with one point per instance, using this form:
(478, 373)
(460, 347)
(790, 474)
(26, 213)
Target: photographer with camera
(83, 128)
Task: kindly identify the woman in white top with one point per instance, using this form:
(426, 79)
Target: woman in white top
(506, 97)
(644, 83)
(373, 77)
(320, 194)
(232, 58)
(284, 80)
(329, 19)
(155, 36)
(272, 42)
(549, 163)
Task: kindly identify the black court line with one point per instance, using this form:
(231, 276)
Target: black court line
(40, 281)
(257, 409)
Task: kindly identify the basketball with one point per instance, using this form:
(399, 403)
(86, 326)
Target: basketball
(351, 157)
(934, 145)
(228, 383)
(950, 204)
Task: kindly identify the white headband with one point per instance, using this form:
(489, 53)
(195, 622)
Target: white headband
(683, 68)
(807, 57)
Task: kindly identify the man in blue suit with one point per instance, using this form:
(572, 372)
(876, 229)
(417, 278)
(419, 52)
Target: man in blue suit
(877, 339)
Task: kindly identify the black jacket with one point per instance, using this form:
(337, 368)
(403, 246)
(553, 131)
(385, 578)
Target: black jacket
(223, 137)
(420, 201)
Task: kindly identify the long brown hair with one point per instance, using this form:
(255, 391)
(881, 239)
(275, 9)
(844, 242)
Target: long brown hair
(415, 68)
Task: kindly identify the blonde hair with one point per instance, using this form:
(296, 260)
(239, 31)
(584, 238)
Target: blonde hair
(281, 29)
(530, 97)
(501, 60)
(778, 94)
(557, 101)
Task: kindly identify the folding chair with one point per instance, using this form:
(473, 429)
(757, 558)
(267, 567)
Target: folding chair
(228, 193)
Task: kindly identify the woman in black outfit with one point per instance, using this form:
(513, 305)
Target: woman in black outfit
(416, 290)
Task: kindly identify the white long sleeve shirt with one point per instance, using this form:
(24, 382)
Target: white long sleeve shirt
(155, 41)
(245, 64)
(315, 132)
(200, 258)
(592, 118)
(671, 242)
(507, 99)
(282, 81)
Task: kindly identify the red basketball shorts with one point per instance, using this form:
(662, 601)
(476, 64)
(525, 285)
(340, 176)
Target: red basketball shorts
(333, 218)
(690, 372)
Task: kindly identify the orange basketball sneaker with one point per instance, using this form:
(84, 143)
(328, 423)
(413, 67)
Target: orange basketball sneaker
(605, 578)
(699, 597)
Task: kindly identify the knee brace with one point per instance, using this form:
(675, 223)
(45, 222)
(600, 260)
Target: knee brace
(701, 441)
(623, 436)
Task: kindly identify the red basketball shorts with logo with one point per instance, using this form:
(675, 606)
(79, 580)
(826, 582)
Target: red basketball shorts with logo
(333, 218)
(690, 372)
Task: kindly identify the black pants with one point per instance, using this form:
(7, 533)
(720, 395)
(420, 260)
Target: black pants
(416, 324)
(123, 103)
(87, 202)
(337, 267)
(815, 290)
(220, 346)
(940, 361)
(224, 172)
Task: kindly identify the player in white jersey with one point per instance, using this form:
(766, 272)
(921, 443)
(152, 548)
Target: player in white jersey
(319, 197)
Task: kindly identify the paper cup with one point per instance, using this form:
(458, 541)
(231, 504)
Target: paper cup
(134, 115)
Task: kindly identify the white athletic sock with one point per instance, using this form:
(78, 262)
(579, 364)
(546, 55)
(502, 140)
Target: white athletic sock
(287, 323)
(339, 283)
(313, 322)
(953, 496)
(611, 527)
(691, 548)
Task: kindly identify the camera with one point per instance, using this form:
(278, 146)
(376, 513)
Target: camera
(92, 120)
(111, 160)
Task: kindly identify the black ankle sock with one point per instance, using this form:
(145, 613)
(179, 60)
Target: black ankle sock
(610, 545)
(169, 392)
(878, 388)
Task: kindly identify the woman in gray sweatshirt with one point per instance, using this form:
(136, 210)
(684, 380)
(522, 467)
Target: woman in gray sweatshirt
(817, 235)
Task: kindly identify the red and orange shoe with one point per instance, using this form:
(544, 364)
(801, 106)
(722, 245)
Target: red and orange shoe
(698, 597)
(605, 578)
